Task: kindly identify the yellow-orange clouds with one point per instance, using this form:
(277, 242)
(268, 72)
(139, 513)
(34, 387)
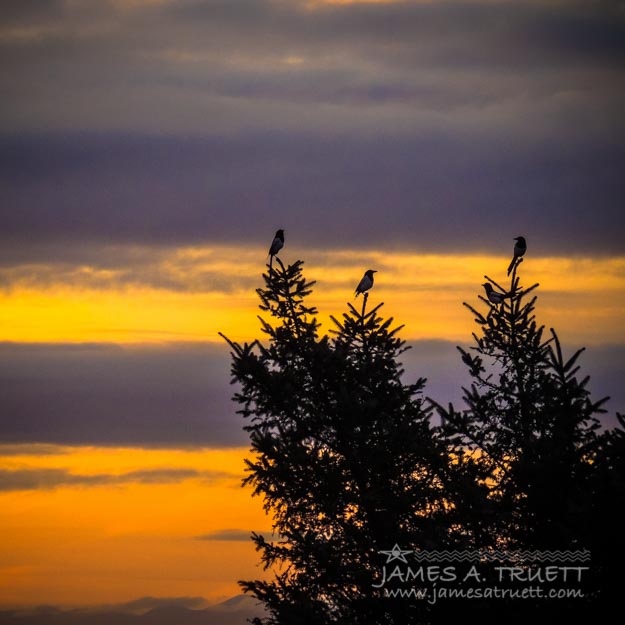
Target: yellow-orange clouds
(194, 293)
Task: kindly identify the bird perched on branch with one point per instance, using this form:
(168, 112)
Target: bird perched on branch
(366, 283)
(495, 297)
(520, 247)
(276, 245)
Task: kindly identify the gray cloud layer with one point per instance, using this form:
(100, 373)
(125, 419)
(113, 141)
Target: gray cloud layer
(236, 535)
(35, 479)
(152, 397)
(143, 611)
(179, 396)
(428, 125)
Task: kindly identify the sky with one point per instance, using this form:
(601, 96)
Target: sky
(149, 149)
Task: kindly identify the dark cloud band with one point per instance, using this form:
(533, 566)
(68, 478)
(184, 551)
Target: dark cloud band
(437, 126)
(179, 395)
(432, 192)
(106, 395)
(36, 479)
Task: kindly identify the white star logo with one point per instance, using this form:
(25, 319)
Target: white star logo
(396, 553)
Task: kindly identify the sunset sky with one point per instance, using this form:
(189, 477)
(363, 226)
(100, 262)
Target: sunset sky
(149, 151)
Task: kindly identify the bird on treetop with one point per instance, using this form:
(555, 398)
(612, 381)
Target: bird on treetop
(366, 283)
(494, 296)
(276, 245)
(520, 247)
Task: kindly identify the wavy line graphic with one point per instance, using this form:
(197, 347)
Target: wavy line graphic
(488, 555)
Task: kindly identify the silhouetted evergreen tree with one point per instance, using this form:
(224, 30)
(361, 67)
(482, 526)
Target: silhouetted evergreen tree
(348, 463)
(344, 458)
(602, 516)
(530, 439)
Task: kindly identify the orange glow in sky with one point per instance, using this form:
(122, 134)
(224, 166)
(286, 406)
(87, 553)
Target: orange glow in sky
(150, 150)
(93, 525)
(192, 294)
(134, 534)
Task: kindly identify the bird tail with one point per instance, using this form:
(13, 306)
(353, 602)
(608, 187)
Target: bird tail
(511, 265)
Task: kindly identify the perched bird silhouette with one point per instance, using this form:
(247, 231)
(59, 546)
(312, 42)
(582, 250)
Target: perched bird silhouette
(276, 245)
(520, 247)
(494, 296)
(366, 283)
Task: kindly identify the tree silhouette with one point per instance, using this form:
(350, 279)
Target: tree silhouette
(344, 457)
(530, 439)
(602, 519)
(349, 464)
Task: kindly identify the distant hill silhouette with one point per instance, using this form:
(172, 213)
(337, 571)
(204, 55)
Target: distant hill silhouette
(234, 611)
